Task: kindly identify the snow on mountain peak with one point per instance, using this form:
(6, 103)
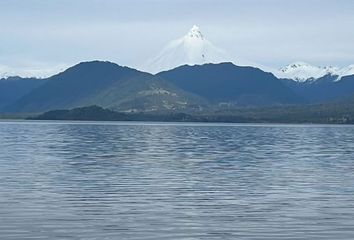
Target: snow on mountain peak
(346, 71)
(295, 65)
(194, 32)
(191, 49)
(301, 71)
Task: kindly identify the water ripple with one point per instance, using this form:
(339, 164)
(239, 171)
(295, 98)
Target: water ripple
(76, 180)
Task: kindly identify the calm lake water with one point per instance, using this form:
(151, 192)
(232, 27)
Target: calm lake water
(74, 180)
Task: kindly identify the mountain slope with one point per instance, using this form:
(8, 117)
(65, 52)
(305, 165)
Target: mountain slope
(231, 84)
(105, 84)
(13, 88)
(324, 89)
(191, 49)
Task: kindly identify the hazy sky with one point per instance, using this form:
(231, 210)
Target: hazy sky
(46, 34)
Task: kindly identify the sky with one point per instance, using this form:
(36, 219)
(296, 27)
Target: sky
(40, 37)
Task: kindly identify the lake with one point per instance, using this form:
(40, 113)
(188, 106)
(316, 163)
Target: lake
(131, 180)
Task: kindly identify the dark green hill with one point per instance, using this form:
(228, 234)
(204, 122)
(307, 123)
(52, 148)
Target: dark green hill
(95, 113)
(324, 89)
(13, 88)
(231, 84)
(341, 112)
(108, 85)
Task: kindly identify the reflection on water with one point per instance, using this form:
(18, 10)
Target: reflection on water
(63, 180)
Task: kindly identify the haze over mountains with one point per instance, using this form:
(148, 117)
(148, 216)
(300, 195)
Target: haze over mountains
(190, 75)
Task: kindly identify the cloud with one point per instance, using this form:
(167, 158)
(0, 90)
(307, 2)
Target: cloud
(272, 32)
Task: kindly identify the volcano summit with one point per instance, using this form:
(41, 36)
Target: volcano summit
(191, 49)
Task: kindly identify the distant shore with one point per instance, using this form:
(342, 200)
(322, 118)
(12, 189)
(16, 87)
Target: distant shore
(291, 115)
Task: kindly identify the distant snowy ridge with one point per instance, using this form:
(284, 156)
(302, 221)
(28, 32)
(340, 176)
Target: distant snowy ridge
(191, 49)
(194, 49)
(301, 72)
(6, 72)
(346, 71)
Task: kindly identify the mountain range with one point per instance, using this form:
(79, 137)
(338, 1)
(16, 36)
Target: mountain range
(106, 84)
(190, 77)
(228, 84)
(191, 89)
(302, 72)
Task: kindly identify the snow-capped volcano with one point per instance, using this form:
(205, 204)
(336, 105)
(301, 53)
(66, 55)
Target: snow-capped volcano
(191, 49)
(301, 71)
